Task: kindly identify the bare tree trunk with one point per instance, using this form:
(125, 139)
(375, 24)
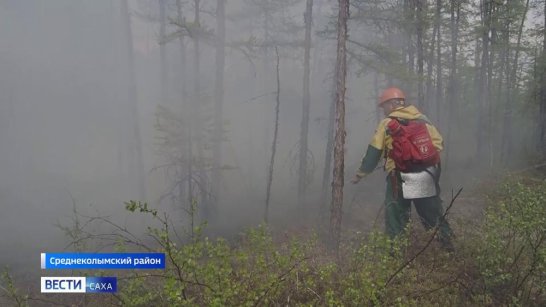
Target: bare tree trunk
(122, 146)
(503, 91)
(420, 55)
(430, 65)
(188, 118)
(204, 205)
(542, 92)
(162, 51)
(483, 98)
(453, 81)
(506, 148)
(274, 145)
(302, 173)
(439, 82)
(329, 150)
(409, 10)
(218, 100)
(265, 75)
(339, 159)
(318, 54)
(490, 64)
(133, 103)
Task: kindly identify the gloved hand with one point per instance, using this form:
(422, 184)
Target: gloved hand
(358, 176)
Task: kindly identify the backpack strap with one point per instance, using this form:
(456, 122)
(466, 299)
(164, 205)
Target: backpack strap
(425, 119)
(402, 121)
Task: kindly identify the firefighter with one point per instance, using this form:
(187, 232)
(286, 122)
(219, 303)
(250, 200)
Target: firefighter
(404, 185)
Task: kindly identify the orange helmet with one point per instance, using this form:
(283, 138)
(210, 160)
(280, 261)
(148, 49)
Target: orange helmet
(391, 93)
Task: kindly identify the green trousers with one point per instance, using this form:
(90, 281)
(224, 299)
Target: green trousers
(397, 211)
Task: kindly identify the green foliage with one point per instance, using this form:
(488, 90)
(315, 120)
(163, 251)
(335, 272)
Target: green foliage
(500, 262)
(137, 292)
(512, 258)
(212, 273)
(11, 291)
(371, 265)
(262, 271)
(133, 206)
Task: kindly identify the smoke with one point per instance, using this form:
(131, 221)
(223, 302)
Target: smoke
(66, 128)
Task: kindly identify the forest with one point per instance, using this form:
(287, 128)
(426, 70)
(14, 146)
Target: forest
(224, 134)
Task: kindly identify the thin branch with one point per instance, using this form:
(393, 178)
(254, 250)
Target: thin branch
(436, 229)
(275, 136)
(279, 279)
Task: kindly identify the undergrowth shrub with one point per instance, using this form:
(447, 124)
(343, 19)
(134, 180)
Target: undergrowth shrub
(258, 271)
(255, 271)
(512, 254)
(498, 262)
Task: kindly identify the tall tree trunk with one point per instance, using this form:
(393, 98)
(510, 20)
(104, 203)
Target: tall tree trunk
(218, 100)
(420, 55)
(162, 51)
(430, 65)
(188, 118)
(542, 92)
(502, 90)
(302, 173)
(133, 103)
(439, 82)
(274, 145)
(506, 148)
(493, 46)
(483, 97)
(339, 159)
(204, 205)
(453, 90)
(265, 75)
(409, 11)
(329, 150)
(122, 142)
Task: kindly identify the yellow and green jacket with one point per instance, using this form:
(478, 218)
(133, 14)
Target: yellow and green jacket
(381, 142)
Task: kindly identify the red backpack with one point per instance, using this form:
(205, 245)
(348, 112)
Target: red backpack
(412, 148)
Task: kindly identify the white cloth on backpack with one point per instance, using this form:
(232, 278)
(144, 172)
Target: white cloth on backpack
(419, 184)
